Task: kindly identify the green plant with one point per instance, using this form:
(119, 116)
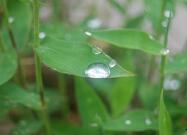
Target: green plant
(79, 88)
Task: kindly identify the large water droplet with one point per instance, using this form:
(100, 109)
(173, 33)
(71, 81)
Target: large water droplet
(42, 35)
(112, 63)
(94, 23)
(96, 50)
(128, 122)
(10, 19)
(97, 70)
(165, 51)
(88, 33)
(148, 121)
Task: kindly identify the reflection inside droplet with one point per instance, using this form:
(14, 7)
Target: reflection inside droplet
(97, 70)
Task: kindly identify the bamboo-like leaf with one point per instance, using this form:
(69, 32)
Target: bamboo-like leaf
(76, 58)
(132, 39)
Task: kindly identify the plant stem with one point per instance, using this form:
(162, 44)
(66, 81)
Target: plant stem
(2, 47)
(38, 69)
(21, 76)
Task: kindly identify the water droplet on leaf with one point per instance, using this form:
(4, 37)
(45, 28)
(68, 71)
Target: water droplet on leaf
(94, 23)
(10, 19)
(96, 50)
(148, 121)
(97, 70)
(94, 125)
(151, 37)
(112, 63)
(165, 51)
(167, 13)
(42, 35)
(127, 122)
(88, 33)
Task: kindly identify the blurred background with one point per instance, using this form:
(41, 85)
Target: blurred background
(71, 16)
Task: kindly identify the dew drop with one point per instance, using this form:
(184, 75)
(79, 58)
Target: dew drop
(97, 70)
(127, 122)
(151, 37)
(94, 23)
(148, 121)
(167, 13)
(96, 50)
(165, 23)
(10, 19)
(112, 63)
(42, 35)
(88, 33)
(165, 51)
(94, 125)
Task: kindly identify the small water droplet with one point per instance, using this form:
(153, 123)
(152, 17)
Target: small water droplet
(167, 13)
(171, 84)
(97, 70)
(112, 63)
(42, 35)
(88, 33)
(148, 121)
(10, 19)
(165, 23)
(94, 125)
(151, 37)
(127, 122)
(165, 51)
(96, 50)
(94, 23)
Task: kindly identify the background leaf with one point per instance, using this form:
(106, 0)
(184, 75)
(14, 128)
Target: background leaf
(165, 127)
(177, 64)
(8, 65)
(15, 95)
(91, 108)
(137, 120)
(132, 39)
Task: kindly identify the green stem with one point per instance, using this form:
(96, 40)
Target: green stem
(21, 76)
(38, 69)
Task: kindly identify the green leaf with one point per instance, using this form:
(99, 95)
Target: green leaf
(122, 90)
(16, 95)
(70, 129)
(165, 126)
(26, 128)
(154, 8)
(137, 120)
(75, 58)
(177, 64)
(22, 20)
(8, 65)
(132, 39)
(91, 108)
